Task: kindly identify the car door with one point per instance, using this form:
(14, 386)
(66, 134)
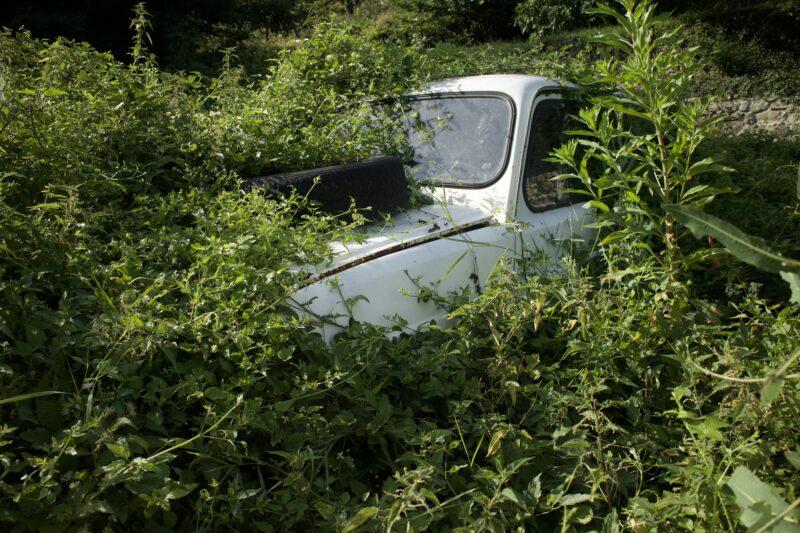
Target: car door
(552, 220)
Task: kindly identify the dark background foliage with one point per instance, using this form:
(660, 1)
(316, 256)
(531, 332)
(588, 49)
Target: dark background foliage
(180, 27)
(189, 34)
(776, 23)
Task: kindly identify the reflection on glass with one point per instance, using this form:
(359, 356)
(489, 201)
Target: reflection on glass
(459, 140)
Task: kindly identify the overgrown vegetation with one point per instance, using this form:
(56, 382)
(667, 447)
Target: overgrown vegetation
(151, 377)
(192, 36)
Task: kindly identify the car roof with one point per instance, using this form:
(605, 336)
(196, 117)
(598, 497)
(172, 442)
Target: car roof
(511, 84)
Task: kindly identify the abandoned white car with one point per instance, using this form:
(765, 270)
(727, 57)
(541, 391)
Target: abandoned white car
(483, 155)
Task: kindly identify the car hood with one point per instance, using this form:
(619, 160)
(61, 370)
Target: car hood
(404, 230)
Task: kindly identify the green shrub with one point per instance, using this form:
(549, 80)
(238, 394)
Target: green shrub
(75, 116)
(461, 21)
(138, 284)
(776, 24)
(539, 17)
(185, 35)
(739, 65)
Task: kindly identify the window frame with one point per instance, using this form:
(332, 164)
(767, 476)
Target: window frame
(509, 137)
(563, 95)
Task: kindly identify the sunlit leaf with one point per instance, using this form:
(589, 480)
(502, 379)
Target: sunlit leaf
(511, 495)
(744, 247)
(793, 279)
(574, 499)
(30, 396)
(771, 388)
(757, 502)
(363, 516)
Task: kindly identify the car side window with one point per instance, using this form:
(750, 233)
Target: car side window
(550, 121)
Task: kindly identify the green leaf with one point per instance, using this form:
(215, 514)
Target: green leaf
(758, 503)
(798, 183)
(793, 280)
(632, 197)
(29, 396)
(494, 443)
(705, 166)
(119, 450)
(176, 490)
(534, 488)
(794, 458)
(697, 189)
(583, 514)
(611, 523)
(511, 495)
(771, 388)
(617, 275)
(708, 427)
(361, 518)
(574, 499)
(215, 393)
(751, 250)
(614, 237)
(429, 494)
(597, 204)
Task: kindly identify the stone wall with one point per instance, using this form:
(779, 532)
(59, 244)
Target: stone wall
(771, 114)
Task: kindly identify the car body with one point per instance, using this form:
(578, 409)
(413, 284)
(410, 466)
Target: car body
(454, 244)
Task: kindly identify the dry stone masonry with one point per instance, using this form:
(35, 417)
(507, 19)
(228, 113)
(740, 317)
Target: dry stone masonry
(770, 114)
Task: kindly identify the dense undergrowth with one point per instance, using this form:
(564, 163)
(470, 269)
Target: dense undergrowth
(190, 35)
(151, 378)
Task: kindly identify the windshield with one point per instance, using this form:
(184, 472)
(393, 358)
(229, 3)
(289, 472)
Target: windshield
(459, 140)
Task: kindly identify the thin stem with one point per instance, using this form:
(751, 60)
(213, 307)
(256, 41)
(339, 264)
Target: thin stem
(199, 435)
(727, 378)
(792, 506)
(789, 362)
(735, 379)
